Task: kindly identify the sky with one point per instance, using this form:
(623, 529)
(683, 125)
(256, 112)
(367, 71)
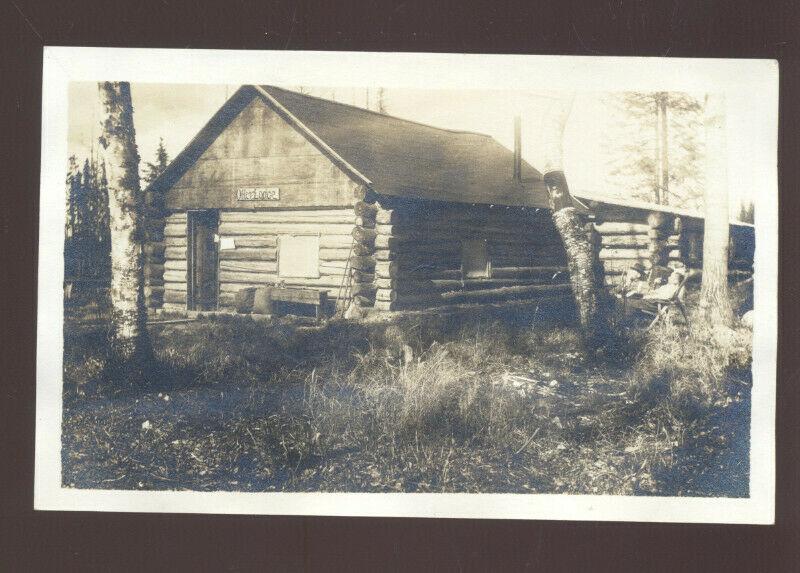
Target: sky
(176, 112)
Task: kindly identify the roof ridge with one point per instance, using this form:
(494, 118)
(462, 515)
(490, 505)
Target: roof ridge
(379, 114)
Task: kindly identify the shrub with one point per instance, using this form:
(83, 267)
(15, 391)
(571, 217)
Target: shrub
(691, 365)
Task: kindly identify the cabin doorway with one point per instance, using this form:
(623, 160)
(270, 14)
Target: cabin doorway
(203, 283)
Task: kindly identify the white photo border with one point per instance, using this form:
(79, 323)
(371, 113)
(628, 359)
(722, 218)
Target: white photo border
(751, 95)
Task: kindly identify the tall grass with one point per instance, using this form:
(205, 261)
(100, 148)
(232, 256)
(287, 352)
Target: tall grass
(690, 365)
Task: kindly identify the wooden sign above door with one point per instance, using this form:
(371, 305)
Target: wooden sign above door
(258, 194)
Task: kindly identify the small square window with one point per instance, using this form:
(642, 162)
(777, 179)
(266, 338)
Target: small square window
(474, 259)
(298, 256)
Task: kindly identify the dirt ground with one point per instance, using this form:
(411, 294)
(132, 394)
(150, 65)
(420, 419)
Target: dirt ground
(295, 412)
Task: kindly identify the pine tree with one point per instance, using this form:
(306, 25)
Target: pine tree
(662, 158)
(74, 181)
(153, 170)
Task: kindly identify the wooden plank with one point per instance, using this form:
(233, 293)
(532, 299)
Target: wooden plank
(256, 241)
(175, 230)
(248, 254)
(623, 253)
(630, 240)
(175, 265)
(263, 229)
(175, 241)
(175, 285)
(233, 282)
(174, 297)
(249, 266)
(175, 276)
(334, 254)
(320, 216)
(175, 253)
(614, 228)
(258, 148)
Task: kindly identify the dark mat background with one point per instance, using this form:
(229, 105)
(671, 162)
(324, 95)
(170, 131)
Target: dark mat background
(39, 541)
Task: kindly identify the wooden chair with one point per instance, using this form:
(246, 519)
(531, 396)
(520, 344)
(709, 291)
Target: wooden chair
(658, 308)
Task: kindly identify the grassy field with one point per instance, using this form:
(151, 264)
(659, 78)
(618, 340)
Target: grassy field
(488, 403)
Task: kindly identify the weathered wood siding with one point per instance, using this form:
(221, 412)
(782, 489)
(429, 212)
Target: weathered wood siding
(174, 276)
(254, 260)
(418, 254)
(259, 149)
(665, 240)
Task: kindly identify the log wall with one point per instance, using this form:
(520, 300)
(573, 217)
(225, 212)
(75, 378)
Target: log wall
(174, 275)
(664, 240)
(418, 254)
(254, 260)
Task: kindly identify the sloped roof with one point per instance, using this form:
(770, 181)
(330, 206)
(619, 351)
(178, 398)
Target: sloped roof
(633, 209)
(393, 156)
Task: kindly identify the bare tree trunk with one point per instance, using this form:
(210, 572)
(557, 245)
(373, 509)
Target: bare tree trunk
(664, 149)
(126, 204)
(714, 299)
(571, 228)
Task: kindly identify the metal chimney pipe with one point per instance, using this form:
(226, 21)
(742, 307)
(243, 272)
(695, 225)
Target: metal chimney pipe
(517, 148)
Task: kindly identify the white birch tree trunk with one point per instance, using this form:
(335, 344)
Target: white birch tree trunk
(577, 243)
(125, 204)
(714, 298)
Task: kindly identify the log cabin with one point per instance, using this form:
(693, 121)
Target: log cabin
(628, 232)
(286, 189)
(282, 188)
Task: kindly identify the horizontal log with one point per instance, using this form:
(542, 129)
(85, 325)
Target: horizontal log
(248, 266)
(320, 216)
(261, 229)
(175, 229)
(175, 253)
(170, 307)
(254, 241)
(452, 285)
(248, 254)
(521, 272)
(174, 297)
(175, 285)
(624, 253)
(232, 287)
(177, 217)
(480, 216)
(175, 241)
(174, 276)
(614, 228)
(630, 240)
(176, 265)
(261, 279)
(498, 294)
(451, 251)
(334, 254)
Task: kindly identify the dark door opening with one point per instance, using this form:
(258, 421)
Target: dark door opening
(202, 282)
